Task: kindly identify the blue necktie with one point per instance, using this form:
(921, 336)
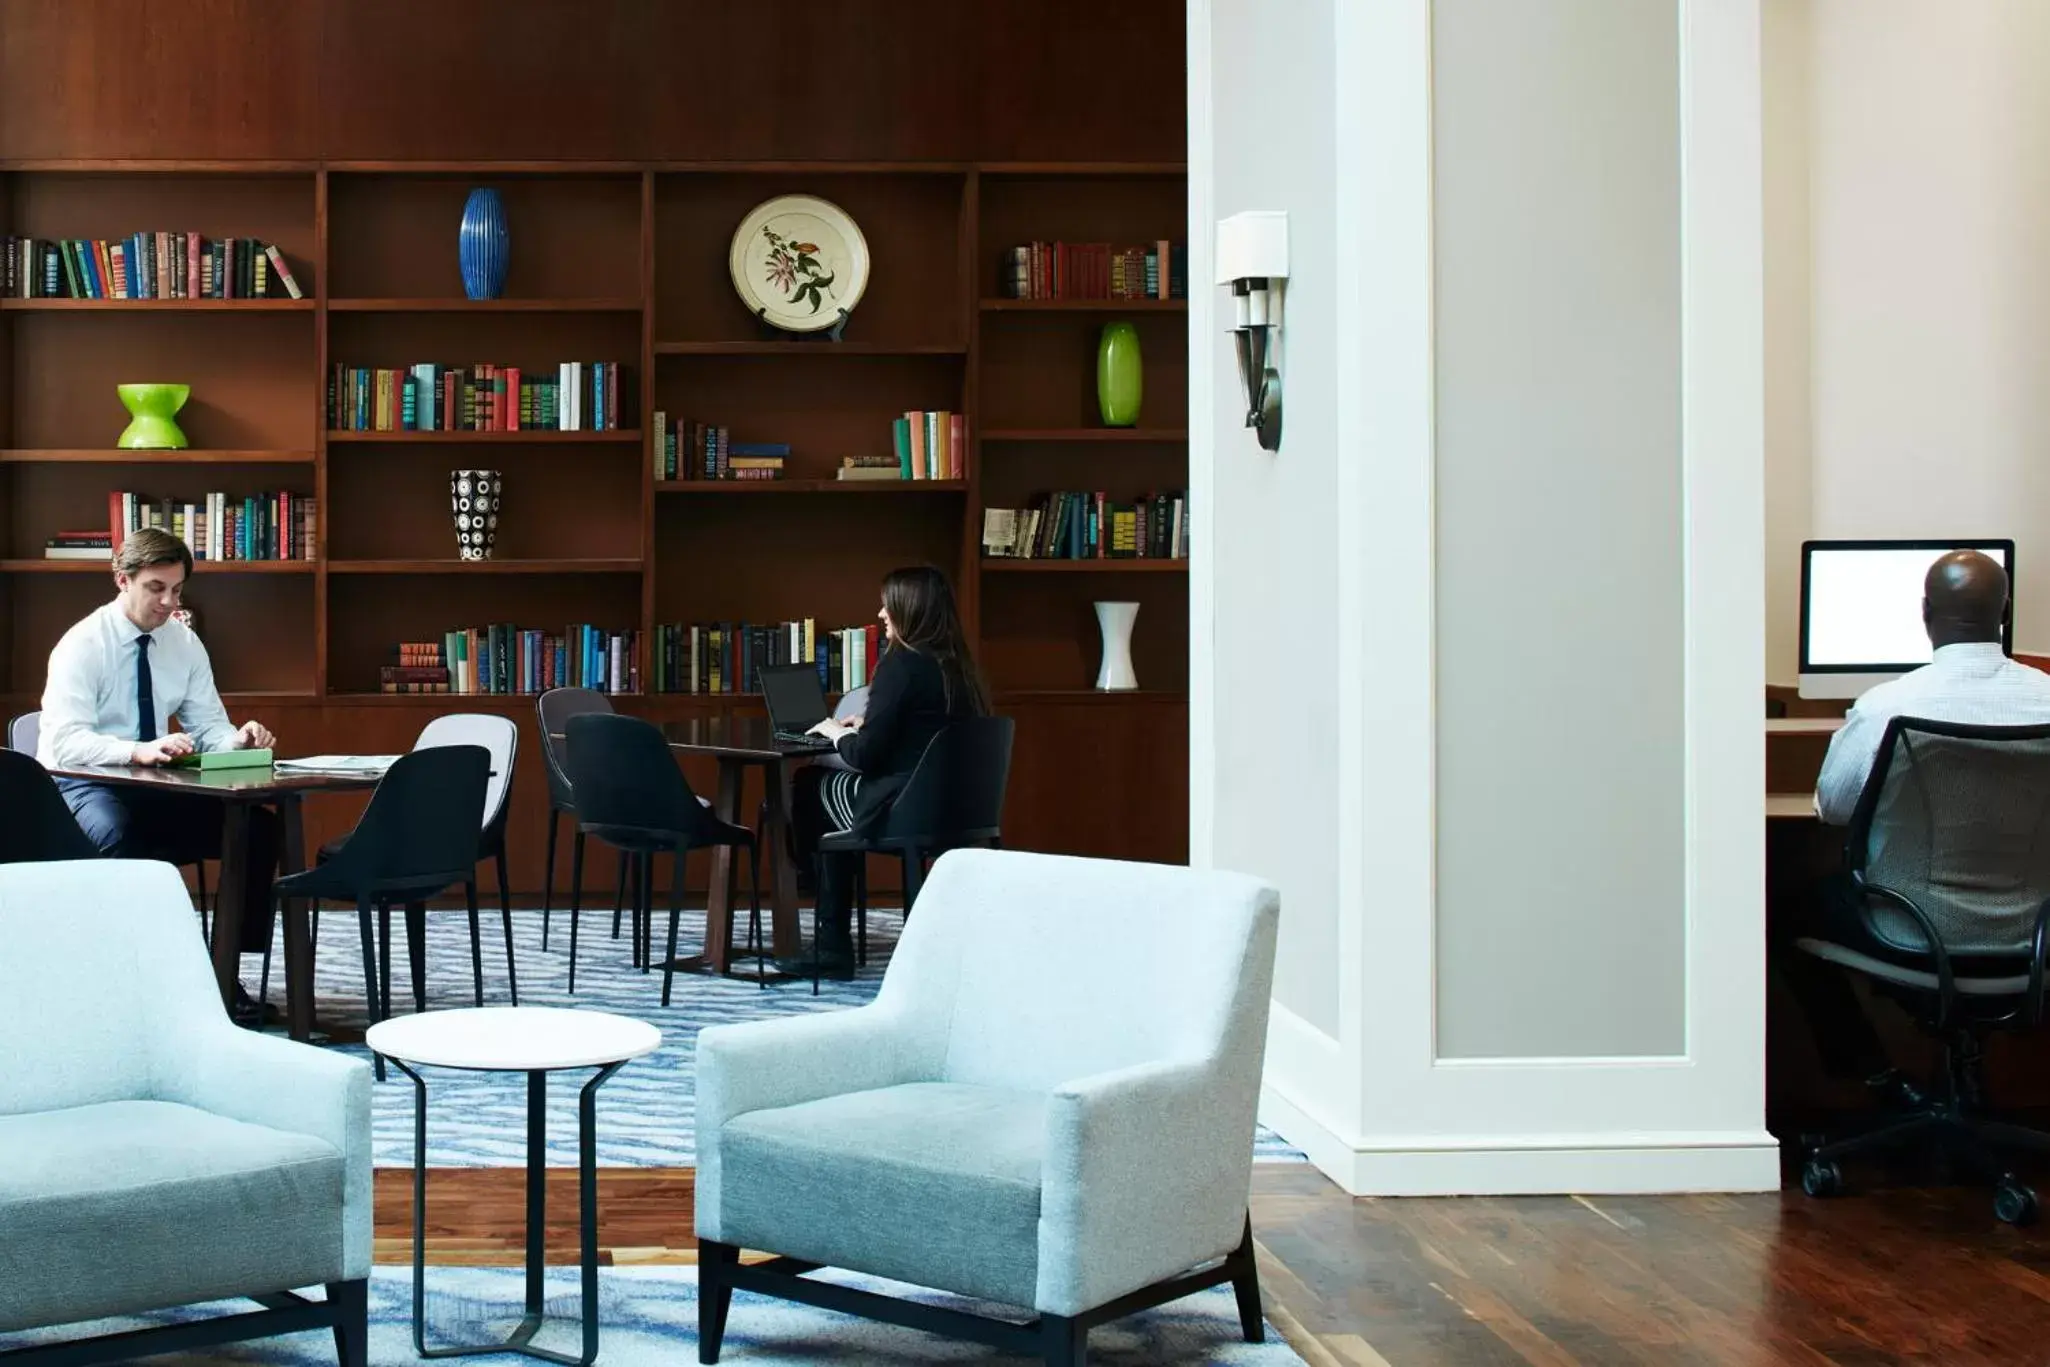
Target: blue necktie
(145, 704)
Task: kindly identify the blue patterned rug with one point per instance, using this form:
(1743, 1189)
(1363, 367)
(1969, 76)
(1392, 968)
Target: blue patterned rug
(648, 1318)
(646, 1113)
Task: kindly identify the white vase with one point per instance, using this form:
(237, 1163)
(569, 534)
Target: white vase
(1115, 621)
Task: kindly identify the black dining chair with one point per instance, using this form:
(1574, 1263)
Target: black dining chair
(24, 736)
(953, 800)
(38, 825)
(555, 708)
(631, 794)
(418, 837)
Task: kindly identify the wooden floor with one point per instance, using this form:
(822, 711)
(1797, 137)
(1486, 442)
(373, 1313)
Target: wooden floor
(1901, 1276)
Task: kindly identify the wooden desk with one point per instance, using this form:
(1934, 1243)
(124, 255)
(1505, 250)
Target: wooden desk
(237, 790)
(1790, 807)
(1794, 747)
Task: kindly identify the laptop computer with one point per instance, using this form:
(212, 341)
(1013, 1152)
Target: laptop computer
(796, 702)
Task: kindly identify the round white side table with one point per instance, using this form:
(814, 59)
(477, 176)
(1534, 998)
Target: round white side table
(537, 1041)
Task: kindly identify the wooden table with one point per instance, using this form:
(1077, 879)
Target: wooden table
(238, 790)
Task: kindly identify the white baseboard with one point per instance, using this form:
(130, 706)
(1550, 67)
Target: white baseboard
(1529, 1165)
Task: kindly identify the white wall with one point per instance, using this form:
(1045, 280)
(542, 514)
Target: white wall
(1788, 384)
(1929, 205)
(1264, 644)
(1373, 1093)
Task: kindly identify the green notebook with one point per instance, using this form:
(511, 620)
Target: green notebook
(224, 759)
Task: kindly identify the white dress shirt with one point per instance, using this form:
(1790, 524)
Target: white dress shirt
(89, 714)
(1972, 683)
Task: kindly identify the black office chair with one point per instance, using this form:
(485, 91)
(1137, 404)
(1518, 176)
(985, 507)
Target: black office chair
(555, 708)
(38, 825)
(418, 836)
(24, 735)
(1949, 880)
(953, 800)
(631, 794)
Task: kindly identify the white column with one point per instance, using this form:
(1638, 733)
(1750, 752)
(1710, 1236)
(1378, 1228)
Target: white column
(1626, 1051)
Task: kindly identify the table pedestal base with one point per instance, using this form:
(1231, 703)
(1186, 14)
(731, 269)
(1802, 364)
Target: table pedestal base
(521, 1339)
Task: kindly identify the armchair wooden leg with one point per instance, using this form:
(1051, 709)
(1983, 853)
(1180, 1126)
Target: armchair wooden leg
(1064, 1342)
(351, 1302)
(715, 1295)
(1245, 1284)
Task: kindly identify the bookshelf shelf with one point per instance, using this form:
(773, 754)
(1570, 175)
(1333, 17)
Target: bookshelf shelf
(210, 567)
(811, 486)
(765, 348)
(463, 438)
(1111, 434)
(519, 702)
(439, 566)
(156, 305)
(1000, 565)
(188, 456)
(484, 305)
(1085, 306)
(1091, 695)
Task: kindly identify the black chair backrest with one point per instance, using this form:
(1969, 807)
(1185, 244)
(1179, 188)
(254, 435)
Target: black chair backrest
(956, 793)
(25, 732)
(1955, 819)
(555, 708)
(626, 779)
(37, 826)
(421, 825)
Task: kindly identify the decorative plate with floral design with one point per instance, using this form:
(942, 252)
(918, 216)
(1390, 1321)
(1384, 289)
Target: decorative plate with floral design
(799, 260)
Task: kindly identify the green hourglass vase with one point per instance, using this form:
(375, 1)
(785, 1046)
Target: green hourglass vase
(153, 406)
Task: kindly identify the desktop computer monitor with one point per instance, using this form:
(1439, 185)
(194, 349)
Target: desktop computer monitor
(1861, 610)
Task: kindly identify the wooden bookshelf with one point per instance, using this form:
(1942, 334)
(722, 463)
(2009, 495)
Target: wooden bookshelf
(623, 184)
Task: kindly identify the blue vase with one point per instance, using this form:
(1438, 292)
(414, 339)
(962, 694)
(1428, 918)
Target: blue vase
(486, 248)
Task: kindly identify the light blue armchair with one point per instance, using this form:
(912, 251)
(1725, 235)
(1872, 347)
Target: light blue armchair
(1050, 1104)
(152, 1153)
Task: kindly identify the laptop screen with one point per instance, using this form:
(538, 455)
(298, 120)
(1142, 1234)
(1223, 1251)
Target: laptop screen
(795, 698)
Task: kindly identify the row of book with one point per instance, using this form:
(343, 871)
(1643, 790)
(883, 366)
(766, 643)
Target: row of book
(266, 526)
(724, 657)
(931, 445)
(503, 658)
(701, 450)
(1072, 525)
(1097, 270)
(157, 265)
(581, 396)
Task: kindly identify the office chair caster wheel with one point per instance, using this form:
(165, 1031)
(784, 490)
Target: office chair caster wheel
(1821, 1177)
(2014, 1201)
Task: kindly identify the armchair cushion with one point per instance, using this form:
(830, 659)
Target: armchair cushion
(125, 1206)
(935, 1183)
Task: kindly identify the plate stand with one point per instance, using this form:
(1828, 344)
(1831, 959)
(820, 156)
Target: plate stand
(770, 332)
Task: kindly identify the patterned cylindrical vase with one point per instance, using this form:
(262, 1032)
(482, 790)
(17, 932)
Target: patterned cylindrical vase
(474, 497)
(1115, 621)
(485, 248)
(1118, 387)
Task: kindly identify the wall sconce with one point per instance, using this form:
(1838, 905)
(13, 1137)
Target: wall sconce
(1252, 258)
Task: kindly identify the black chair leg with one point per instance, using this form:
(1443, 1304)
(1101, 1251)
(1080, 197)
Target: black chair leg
(576, 902)
(1063, 1342)
(547, 879)
(861, 911)
(817, 921)
(619, 895)
(1245, 1284)
(370, 972)
(263, 978)
(416, 951)
(512, 975)
(476, 943)
(754, 913)
(351, 1302)
(205, 921)
(644, 910)
(675, 914)
(914, 878)
(715, 1295)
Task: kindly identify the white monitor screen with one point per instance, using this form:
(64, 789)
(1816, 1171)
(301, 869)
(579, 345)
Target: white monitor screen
(1862, 606)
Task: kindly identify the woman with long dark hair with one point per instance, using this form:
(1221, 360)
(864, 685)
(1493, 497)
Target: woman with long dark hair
(926, 678)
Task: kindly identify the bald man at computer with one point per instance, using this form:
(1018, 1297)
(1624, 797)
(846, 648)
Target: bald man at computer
(1968, 679)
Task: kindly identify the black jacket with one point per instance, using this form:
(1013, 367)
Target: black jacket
(907, 706)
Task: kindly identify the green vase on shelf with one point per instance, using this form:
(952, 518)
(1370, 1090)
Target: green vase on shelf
(1118, 387)
(153, 406)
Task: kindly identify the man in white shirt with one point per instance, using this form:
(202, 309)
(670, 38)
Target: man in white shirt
(116, 679)
(1968, 679)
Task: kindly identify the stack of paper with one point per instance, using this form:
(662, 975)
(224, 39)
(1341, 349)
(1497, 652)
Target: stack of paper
(337, 764)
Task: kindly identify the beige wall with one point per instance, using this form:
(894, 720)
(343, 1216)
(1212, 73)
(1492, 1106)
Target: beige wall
(1926, 133)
